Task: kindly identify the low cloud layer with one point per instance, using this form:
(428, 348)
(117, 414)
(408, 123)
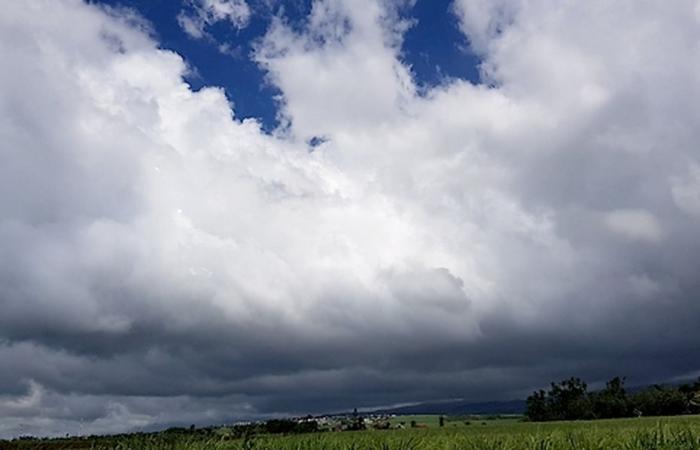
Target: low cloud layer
(165, 261)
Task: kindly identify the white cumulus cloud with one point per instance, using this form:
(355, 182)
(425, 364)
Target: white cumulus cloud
(469, 240)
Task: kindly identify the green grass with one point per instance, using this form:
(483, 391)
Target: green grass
(624, 434)
(433, 421)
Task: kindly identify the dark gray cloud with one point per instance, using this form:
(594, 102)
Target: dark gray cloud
(165, 263)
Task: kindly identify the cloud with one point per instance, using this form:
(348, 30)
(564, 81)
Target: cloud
(635, 224)
(204, 13)
(342, 46)
(686, 191)
(165, 261)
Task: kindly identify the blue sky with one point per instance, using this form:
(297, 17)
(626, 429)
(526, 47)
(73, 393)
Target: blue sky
(433, 47)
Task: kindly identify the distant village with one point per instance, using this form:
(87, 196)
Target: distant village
(333, 422)
(355, 421)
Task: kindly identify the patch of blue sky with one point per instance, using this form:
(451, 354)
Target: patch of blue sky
(433, 47)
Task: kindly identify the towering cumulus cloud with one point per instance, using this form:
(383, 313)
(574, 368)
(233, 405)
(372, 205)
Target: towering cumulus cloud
(165, 261)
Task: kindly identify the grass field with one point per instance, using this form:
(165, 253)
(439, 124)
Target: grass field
(624, 434)
(433, 421)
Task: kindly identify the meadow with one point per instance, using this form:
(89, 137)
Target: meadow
(624, 434)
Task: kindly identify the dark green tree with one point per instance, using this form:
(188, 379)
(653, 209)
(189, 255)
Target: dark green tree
(660, 401)
(612, 401)
(537, 408)
(691, 392)
(569, 400)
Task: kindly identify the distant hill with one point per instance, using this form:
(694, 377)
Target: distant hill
(457, 407)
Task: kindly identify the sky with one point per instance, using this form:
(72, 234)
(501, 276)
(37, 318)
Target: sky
(222, 209)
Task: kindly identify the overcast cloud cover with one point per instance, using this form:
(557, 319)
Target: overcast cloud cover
(163, 260)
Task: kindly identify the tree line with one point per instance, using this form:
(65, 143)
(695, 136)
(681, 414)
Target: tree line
(571, 400)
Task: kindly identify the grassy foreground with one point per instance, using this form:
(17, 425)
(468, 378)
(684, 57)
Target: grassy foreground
(627, 434)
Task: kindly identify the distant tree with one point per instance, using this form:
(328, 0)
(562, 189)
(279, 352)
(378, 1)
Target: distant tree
(612, 401)
(537, 408)
(566, 400)
(279, 426)
(357, 422)
(441, 421)
(569, 400)
(691, 392)
(660, 401)
(307, 426)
